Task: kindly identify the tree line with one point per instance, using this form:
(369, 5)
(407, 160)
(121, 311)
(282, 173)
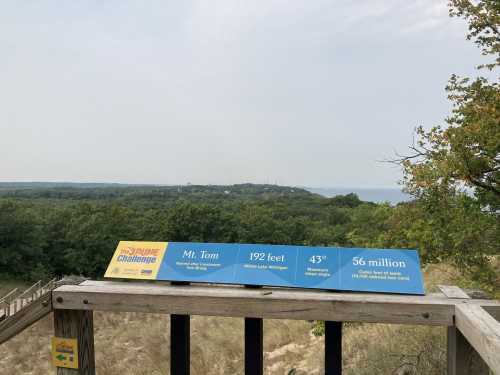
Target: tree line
(45, 237)
(41, 236)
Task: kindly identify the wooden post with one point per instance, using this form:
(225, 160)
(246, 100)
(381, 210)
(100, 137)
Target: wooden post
(79, 325)
(461, 356)
(179, 344)
(333, 348)
(254, 343)
(254, 346)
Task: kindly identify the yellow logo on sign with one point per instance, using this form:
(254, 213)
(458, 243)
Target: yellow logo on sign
(136, 260)
(64, 352)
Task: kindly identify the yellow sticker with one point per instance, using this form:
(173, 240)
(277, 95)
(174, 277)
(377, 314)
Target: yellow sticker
(136, 260)
(64, 352)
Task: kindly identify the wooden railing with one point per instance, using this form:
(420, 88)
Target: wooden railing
(16, 299)
(473, 327)
(5, 303)
(19, 309)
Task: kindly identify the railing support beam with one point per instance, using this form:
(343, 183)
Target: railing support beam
(254, 346)
(179, 344)
(461, 357)
(79, 325)
(333, 348)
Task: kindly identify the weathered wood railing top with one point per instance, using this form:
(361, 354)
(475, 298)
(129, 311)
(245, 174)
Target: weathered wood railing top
(273, 303)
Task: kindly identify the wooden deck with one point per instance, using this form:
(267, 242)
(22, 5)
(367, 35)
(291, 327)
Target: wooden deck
(473, 331)
(473, 328)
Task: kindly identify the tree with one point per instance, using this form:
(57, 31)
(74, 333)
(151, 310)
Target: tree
(92, 236)
(349, 200)
(20, 242)
(368, 224)
(199, 223)
(484, 25)
(454, 169)
(259, 224)
(464, 155)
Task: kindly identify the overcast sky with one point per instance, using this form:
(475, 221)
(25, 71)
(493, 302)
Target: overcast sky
(292, 92)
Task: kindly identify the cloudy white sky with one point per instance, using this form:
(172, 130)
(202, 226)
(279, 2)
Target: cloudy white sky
(295, 92)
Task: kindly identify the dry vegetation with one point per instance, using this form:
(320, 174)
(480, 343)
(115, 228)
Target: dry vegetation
(138, 344)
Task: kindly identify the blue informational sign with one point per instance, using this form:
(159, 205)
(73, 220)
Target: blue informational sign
(392, 271)
(318, 267)
(275, 265)
(349, 269)
(202, 262)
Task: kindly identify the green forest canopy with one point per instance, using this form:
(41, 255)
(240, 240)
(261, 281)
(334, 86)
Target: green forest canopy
(49, 231)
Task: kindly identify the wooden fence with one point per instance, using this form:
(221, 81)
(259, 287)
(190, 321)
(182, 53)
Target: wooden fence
(473, 327)
(14, 301)
(19, 309)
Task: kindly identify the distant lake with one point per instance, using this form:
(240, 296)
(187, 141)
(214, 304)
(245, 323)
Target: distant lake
(391, 195)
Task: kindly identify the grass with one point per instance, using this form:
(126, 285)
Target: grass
(138, 344)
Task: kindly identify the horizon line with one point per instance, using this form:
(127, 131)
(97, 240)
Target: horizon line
(393, 187)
